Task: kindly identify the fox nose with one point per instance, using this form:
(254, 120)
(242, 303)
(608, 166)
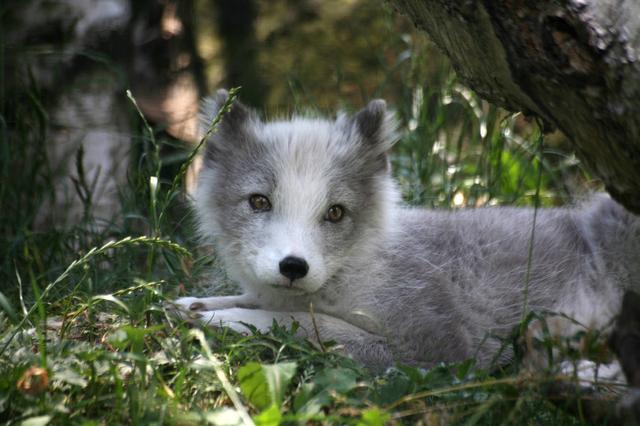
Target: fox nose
(293, 267)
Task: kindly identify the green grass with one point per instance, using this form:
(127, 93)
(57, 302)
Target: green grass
(85, 337)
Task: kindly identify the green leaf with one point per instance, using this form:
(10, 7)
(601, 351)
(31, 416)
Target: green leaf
(278, 378)
(374, 417)
(66, 374)
(308, 403)
(393, 386)
(110, 298)
(464, 368)
(269, 417)
(6, 306)
(317, 394)
(340, 380)
(264, 385)
(133, 337)
(254, 385)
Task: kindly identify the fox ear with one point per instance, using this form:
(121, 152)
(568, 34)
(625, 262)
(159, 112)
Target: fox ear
(233, 128)
(234, 119)
(376, 125)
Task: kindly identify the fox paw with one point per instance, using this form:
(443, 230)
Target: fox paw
(190, 304)
(181, 310)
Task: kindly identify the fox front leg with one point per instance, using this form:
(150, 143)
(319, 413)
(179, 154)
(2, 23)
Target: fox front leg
(366, 347)
(196, 304)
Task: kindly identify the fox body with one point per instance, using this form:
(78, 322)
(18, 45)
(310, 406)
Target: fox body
(307, 220)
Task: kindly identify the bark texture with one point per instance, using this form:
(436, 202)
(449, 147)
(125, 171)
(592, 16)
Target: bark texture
(573, 63)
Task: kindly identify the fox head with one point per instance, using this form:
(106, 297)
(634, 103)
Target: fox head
(289, 204)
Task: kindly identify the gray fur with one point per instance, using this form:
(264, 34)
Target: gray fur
(388, 282)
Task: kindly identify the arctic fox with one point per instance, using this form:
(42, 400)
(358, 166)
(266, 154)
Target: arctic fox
(307, 220)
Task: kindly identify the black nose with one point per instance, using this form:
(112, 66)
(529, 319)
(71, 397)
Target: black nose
(293, 267)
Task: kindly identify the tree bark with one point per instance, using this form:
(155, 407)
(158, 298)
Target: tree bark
(573, 63)
(235, 20)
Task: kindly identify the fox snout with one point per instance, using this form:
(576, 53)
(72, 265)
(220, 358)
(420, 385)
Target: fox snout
(293, 267)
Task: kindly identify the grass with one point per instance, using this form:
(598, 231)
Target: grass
(85, 338)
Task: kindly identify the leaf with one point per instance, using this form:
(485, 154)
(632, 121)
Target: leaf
(278, 378)
(308, 403)
(223, 417)
(269, 417)
(414, 374)
(118, 339)
(340, 380)
(254, 385)
(36, 421)
(6, 306)
(265, 385)
(464, 368)
(317, 394)
(394, 386)
(374, 417)
(133, 337)
(67, 375)
(110, 298)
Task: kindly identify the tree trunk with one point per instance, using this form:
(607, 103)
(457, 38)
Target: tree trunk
(573, 63)
(236, 28)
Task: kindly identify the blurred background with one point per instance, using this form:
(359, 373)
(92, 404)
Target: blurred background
(82, 161)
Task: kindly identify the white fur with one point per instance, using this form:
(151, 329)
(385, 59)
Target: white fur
(412, 285)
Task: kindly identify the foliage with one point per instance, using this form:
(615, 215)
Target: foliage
(84, 334)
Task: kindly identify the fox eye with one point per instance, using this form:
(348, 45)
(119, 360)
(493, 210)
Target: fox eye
(259, 203)
(334, 214)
